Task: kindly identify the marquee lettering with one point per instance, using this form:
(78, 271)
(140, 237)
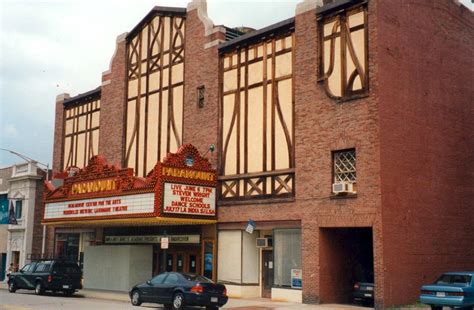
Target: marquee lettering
(93, 187)
(187, 174)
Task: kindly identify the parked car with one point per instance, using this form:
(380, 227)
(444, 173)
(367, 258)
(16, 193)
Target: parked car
(363, 293)
(47, 275)
(452, 289)
(176, 290)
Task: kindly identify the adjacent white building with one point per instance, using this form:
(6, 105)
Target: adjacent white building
(24, 188)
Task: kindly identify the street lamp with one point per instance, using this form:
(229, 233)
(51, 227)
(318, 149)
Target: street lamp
(31, 160)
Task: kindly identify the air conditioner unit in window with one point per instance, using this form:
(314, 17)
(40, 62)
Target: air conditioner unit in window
(262, 242)
(343, 187)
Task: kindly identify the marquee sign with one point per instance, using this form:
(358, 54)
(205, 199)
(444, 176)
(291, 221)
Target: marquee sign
(189, 199)
(98, 207)
(182, 186)
(188, 185)
(181, 239)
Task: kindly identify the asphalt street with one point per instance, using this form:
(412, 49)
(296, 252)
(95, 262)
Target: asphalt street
(26, 300)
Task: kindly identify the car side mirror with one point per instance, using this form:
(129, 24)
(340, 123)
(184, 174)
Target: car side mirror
(22, 271)
(148, 282)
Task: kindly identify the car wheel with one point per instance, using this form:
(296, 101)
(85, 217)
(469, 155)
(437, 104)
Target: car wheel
(178, 301)
(436, 308)
(136, 298)
(12, 287)
(39, 290)
(212, 308)
(69, 293)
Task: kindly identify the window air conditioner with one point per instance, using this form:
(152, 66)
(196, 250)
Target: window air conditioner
(343, 187)
(262, 242)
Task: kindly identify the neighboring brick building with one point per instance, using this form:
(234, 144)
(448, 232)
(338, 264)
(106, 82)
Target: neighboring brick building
(343, 134)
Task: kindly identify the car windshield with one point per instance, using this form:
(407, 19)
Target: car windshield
(196, 278)
(454, 279)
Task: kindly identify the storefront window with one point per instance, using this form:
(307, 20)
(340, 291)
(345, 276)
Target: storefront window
(287, 252)
(208, 259)
(67, 246)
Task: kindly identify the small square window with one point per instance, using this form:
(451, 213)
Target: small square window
(200, 96)
(344, 165)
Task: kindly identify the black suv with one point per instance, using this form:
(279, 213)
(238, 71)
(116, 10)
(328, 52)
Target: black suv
(47, 275)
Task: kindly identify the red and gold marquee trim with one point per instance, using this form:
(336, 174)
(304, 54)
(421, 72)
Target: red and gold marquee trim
(99, 181)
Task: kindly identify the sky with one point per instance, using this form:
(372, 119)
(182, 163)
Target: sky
(49, 47)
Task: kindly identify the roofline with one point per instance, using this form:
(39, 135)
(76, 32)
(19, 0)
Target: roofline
(157, 10)
(255, 36)
(87, 96)
(336, 6)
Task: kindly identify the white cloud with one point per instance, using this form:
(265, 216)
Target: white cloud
(9, 130)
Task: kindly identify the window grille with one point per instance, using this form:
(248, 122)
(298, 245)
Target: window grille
(345, 166)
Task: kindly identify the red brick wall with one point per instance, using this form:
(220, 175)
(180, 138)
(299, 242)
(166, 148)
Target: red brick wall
(201, 68)
(112, 108)
(426, 125)
(58, 136)
(321, 126)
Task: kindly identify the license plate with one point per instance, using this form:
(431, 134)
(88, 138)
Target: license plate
(214, 299)
(65, 286)
(440, 294)
(368, 295)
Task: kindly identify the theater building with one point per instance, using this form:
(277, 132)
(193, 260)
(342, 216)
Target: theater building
(288, 162)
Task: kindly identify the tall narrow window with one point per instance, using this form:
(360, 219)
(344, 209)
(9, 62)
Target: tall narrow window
(257, 120)
(18, 209)
(154, 121)
(200, 96)
(343, 53)
(81, 131)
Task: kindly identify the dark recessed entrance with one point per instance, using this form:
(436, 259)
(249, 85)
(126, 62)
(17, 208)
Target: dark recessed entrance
(346, 257)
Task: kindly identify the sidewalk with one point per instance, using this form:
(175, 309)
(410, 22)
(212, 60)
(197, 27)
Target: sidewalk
(232, 304)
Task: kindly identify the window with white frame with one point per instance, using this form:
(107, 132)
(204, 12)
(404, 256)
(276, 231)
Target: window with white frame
(18, 209)
(344, 165)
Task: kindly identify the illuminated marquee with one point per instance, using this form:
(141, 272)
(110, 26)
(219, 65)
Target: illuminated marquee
(100, 207)
(183, 186)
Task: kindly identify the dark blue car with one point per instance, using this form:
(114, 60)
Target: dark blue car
(177, 290)
(452, 289)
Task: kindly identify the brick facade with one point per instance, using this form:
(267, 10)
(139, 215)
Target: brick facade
(426, 112)
(411, 135)
(112, 106)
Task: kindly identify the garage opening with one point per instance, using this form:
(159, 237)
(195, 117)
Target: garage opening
(346, 257)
